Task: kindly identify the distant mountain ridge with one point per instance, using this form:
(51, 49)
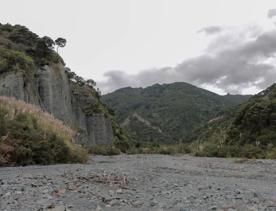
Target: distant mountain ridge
(167, 113)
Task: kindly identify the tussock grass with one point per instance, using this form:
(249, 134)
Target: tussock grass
(44, 119)
(241, 160)
(30, 136)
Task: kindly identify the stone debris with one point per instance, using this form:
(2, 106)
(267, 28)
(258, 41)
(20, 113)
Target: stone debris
(141, 182)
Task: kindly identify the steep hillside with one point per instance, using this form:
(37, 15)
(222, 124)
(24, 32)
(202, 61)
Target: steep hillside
(30, 136)
(30, 70)
(249, 131)
(166, 113)
(236, 99)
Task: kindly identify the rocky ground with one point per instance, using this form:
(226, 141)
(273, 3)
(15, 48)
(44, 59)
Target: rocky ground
(142, 182)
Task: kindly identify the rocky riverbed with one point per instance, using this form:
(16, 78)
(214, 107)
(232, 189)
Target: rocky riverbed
(142, 182)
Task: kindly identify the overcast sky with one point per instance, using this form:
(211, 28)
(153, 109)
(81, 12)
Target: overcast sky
(222, 45)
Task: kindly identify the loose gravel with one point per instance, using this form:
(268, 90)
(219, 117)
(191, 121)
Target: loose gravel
(141, 182)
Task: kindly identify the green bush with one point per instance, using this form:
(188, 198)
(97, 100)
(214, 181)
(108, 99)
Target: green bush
(27, 138)
(166, 150)
(156, 148)
(133, 151)
(122, 144)
(12, 60)
(251, 151)
(20, 39)
(246, 151)
(271, 154)
(104, 150)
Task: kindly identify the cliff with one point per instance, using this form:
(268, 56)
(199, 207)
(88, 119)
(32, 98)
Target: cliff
(31, 71)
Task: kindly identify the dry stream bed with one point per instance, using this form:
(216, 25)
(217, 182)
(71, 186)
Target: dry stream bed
(141, 182)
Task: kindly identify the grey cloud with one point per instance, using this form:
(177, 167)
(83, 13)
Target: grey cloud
(231, 68)
(271, 13)
(231, 37)
(211, 30)
(116, 79)
(119, 79)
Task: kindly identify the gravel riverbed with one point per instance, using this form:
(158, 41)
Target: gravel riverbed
(141, 182)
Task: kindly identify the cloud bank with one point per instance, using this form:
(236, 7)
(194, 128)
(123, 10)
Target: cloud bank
(237, 59)
(271, 13)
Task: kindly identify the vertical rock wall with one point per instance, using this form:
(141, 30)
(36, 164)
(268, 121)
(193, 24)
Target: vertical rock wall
(51, 90)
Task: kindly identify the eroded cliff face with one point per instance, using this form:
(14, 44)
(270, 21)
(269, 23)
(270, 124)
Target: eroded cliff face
(52, 90)
(13, 84)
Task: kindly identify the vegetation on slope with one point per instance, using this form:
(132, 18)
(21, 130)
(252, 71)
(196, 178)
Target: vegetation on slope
(30, 136)
(11, 60)
(90, 97)
(166, 113)
(22, 44)
(249, 131)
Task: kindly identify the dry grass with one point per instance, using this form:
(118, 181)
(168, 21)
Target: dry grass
(45, 120)
(241, 160)
(52, 137)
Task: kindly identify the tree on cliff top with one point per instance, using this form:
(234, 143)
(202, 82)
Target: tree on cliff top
(60, 42)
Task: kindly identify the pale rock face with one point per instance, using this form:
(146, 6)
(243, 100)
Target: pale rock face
(51, 90)
(14, 85)
(99, 129)
(54, 91)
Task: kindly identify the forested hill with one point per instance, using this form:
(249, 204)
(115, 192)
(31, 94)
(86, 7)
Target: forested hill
(247, 131)
(166, 113)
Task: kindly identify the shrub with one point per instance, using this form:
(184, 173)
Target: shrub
(30, 136)
(122, 144)
(208, 150)
(154, 148)
(251, 151)
(246, 151)
(12, 60)
(133, 151)
(271, 154)
(104, 150)
(166, 150)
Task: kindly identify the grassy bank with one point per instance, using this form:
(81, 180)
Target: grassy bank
(146, 148)
(30, 136)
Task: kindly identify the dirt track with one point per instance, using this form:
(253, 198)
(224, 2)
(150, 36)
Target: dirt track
(142, 182)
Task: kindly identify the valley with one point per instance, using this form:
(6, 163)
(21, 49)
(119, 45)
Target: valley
(138, 105)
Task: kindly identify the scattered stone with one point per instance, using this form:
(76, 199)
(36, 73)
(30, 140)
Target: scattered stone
(153, 203)
(214, 208)
(137, 204)
(98, 208)
(184, 209)
(100, 186)
(58, 208)
(7, 194)
(114, 203)
(119, 191)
